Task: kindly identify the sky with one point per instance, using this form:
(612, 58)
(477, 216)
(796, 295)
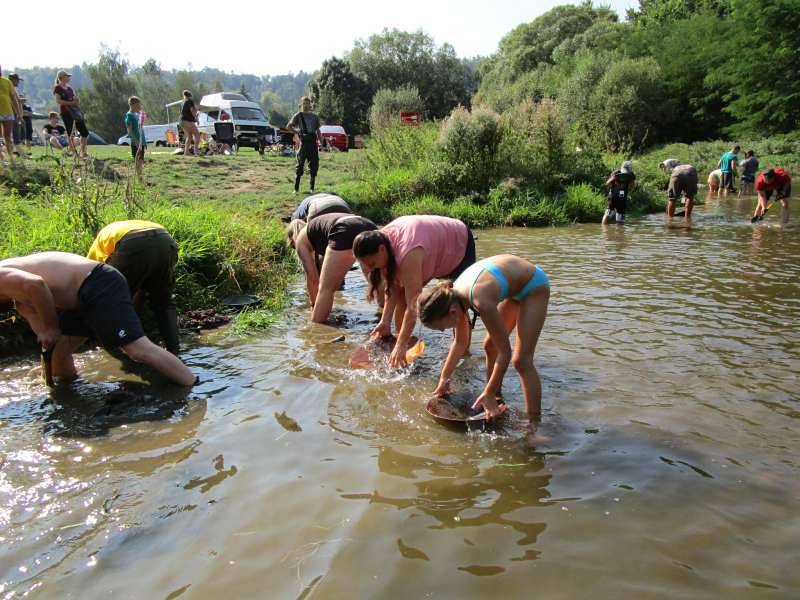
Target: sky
(260, 38)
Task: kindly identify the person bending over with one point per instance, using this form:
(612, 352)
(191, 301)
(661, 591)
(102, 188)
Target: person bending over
(506, 292)
(404, 256)
(66, 297)
(774, 180)
(330, 236)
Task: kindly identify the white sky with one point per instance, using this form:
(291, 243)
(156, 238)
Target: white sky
(247, 36)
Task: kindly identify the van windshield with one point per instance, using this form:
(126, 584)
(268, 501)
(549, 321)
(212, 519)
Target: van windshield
(242, 113)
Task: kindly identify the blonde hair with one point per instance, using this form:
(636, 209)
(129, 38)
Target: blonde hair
(305, 100)
(133, 101)
(293, 230)
(434, 303)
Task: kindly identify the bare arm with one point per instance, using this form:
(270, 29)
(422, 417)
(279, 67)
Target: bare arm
(306, 254)
(34, 301)
(410, 273)
(384, 326)
(497, 332)
(458, 346)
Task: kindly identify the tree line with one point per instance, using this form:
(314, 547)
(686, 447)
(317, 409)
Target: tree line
(673, 71)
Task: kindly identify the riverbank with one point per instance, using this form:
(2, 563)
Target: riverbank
(227, 212)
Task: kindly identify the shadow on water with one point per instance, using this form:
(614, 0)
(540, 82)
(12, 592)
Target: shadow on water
(88, 409)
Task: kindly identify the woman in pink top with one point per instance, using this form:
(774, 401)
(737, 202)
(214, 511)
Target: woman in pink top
(404, 256)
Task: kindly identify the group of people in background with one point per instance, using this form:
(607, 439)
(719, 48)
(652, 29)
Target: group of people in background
(683, 183)
(16, 125)
(399, 259)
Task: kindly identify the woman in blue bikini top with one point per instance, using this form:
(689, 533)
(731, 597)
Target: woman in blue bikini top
(507, 292)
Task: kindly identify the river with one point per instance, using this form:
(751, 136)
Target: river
(669, 364)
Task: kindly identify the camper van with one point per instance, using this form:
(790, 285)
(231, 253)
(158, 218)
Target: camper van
(250, 126)
(155, 135)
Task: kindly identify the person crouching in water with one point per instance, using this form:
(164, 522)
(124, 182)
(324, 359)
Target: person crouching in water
(620, 184)
(506, 292)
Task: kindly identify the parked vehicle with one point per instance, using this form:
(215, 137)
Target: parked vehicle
(250, 126)
(153, 135)
(334, 136)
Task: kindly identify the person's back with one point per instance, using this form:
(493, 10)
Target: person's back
(728, 162)
(63, 273)
(443, 239)
(322, 204)
(623, 180)
(749, 166)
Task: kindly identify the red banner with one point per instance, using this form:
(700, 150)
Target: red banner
(409, 117)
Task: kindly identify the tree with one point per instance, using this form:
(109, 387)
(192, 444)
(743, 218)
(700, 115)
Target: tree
(105, 102)
(668, 11)
(396, 58)
(277, 112)
(763, 83)
(533, 44)
(341, 97)
(153, 89)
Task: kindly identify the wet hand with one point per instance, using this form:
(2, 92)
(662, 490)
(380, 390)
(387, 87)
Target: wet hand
(397, 359)
(490, 405)
(443, 389)
(381, 330)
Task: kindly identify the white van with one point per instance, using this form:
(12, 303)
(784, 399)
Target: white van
(153, 135)
(250, 126)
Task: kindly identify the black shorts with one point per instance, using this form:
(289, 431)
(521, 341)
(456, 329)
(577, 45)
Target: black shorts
(469, 258)
(727, 181)
(345, 230)
(617, 200)
(105, 309)
(69, 122)
(138, 151)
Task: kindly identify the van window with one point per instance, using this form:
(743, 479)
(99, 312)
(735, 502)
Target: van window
(243, 113)
(213, 114)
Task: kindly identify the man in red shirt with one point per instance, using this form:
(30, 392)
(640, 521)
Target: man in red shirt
(774, 180)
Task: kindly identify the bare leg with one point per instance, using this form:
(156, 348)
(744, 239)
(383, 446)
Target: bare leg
(335, 266)
(530, 321)
(784, 210)
(689, 207)
(670, 208)
(146, 352)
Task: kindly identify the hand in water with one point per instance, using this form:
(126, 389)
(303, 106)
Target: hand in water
(443, 389)
(493, 409)
(397, 359)
(381, 330)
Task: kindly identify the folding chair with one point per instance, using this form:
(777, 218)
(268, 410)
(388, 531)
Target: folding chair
(172, 137)
(223, 134)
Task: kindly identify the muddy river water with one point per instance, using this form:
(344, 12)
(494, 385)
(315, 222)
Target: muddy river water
(669, 364)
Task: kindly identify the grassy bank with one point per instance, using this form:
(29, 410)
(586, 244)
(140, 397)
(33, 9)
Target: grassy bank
(224, 212)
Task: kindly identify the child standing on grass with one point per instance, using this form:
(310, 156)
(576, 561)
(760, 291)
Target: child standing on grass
(133, 123)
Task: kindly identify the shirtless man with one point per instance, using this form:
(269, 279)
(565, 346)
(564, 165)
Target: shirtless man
(65, 297)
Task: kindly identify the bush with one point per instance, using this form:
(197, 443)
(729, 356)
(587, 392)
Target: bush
(387, 104)
(583, 203)
(469, 142)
